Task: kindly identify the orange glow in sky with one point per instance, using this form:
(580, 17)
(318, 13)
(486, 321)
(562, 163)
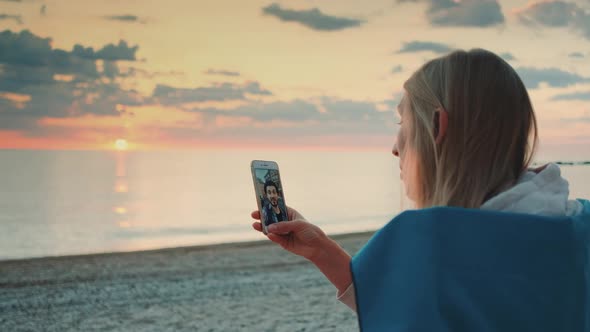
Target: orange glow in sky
(170, 76)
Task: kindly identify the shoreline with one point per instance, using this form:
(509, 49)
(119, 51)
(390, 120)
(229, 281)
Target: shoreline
(198, 247)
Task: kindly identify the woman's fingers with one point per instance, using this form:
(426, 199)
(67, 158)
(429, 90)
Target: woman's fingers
(278, 239)
(287, 227)
(257, 226)
(296, 223)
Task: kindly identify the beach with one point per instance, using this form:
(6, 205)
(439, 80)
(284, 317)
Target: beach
(251, 286)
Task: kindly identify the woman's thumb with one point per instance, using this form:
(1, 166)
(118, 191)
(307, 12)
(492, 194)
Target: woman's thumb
(294, 214)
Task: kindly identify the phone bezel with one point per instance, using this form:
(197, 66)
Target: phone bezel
(265, 164)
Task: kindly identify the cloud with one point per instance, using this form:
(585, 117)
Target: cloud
(68, 99)
(397, 69)
(117, 52)
(111, 52)
(311, 18)
(325, 111)
(222, 72)
(110, 69)
(548, 13)
(556, 14)
(297, 110)
(59, 99)
(351, 111)
(533, 77)
(142, 73)
(17, 18)
(576, 55)
(27, 49)
(27, 55)
(422, 46)
(24, 48)
(507, 56)
(169, 95)
(465, 13)
(573, 96)
(38, 81)
(124, 18)
(322, 121)
(471, 13)
(21, 78)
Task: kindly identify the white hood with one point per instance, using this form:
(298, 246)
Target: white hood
(544, 193)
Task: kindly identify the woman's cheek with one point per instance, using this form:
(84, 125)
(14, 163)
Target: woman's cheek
(410, 170)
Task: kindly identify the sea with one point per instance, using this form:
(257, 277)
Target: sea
(55, 203)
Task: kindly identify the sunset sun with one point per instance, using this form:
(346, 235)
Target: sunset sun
(121, 144)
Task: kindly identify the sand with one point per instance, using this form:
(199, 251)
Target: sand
(253, 286)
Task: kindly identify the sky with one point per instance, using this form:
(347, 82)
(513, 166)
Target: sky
(193, 74)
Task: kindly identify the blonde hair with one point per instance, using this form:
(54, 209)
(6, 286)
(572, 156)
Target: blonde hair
(491, 134)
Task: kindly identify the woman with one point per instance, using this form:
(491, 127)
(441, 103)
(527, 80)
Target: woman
(468, 133)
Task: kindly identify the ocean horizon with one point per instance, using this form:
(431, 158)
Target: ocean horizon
(57, 203)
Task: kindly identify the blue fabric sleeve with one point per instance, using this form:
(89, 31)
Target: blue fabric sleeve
(451, 269)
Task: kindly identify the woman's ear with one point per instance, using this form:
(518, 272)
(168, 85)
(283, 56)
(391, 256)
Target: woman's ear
(441, 121)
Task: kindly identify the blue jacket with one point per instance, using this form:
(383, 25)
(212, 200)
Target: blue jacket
(454, 269)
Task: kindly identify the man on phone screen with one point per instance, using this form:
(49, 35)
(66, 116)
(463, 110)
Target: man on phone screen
(274, 209)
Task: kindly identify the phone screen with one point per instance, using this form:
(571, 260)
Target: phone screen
(269, 191)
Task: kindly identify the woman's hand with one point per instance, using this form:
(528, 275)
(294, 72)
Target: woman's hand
(305, 239)
(297, 235)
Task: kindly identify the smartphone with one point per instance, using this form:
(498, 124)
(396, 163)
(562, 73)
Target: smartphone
(269, 193)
